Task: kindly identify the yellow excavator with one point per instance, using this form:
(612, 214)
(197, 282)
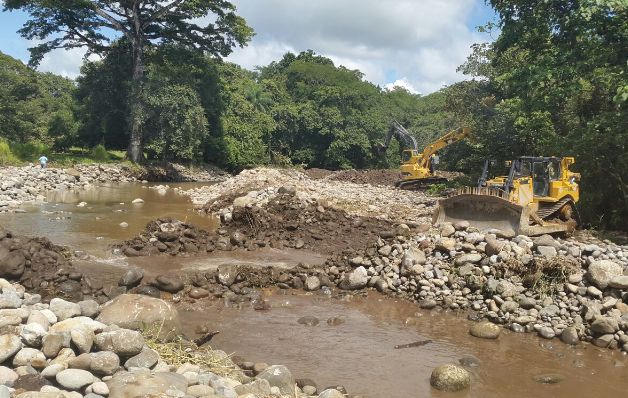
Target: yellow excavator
(417, 170)
(537, 196)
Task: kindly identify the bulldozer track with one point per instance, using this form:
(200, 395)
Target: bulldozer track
(546, 212)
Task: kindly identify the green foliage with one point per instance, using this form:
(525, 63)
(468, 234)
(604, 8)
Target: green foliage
(554, 83)
(6, 156)
(29, 151)
(35, 106)
(99, 153)
(176, 123)
(436, 189)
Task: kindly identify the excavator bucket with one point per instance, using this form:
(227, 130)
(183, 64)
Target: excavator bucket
(486, 211)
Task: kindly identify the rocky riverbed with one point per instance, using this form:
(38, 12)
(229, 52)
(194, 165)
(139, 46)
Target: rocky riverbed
(31, 184)
(573, 289)
(128, 347)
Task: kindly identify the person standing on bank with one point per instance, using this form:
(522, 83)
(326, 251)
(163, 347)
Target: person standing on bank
(434, 160)
(43, 161)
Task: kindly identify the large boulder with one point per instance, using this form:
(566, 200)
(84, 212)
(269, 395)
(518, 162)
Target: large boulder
(64, 309)
(123, 342)
(11, 263)
(131, 385)
(279, 376)
(132, 311)
(604, 325)
(601, 272)
(10, 344)
(450, 378)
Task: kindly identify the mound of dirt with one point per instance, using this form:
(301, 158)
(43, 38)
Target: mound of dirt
(284, 222)
(372, 177)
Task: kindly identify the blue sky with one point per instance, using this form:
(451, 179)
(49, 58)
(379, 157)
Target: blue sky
(412, 43)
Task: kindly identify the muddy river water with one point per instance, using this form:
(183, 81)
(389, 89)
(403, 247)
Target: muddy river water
(357, 351)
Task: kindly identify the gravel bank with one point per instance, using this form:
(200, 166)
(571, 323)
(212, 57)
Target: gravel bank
(30, 184)
(258, 186)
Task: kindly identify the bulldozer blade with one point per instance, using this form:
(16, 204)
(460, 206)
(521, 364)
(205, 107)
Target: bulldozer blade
(487, 212)
(484, 212)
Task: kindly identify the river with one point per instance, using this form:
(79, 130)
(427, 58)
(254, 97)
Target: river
(359, 352)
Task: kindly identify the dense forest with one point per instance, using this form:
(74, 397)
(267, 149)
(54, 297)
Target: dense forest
(553, 82)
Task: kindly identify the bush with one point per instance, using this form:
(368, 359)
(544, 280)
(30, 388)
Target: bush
(29, 151)
(99, 153)
(6, 156)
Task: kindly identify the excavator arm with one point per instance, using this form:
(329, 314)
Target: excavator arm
(397, 130)
(444, 141)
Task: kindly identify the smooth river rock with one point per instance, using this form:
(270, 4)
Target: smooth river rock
(133, 311)
(485, 330)
(450, 378)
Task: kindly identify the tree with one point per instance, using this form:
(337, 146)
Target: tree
(143, 23)
(554, 83)
(35, 106)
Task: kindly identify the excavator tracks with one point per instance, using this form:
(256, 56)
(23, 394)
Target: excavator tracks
(420, 184)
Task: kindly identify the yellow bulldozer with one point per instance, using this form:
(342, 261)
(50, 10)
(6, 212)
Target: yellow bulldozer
(417, 169)
(537, 196)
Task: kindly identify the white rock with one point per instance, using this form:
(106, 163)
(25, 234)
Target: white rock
(74, 379)
(64, 309)
(32, 334)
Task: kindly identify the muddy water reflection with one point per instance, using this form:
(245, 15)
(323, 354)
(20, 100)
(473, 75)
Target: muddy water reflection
(360, 354)
(97, 225)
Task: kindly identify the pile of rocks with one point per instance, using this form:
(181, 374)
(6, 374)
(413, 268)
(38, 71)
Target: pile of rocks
(31, 183)
(258, 186)
(573, 289)
(72, 350)
(168, 236)
(284, 222)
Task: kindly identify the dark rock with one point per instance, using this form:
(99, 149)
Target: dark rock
(168, 284)
(147, 290)
(31, 382)
(131, 278)
(308, 320)
(11, 263)
(227, 274)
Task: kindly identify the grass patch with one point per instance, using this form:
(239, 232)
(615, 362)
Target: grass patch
(179, 351)
(544, 276)
(6, 155)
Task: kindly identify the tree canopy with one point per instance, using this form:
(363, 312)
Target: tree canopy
(95, 24)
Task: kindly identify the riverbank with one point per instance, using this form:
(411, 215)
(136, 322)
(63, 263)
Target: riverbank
(31, 184)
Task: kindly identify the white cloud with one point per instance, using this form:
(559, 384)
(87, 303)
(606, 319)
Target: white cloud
(423, 41)
(63, 62)
(401, 83)
(416, 44)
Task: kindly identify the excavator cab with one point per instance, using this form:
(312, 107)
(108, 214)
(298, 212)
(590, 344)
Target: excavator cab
(408, 156)
(536, 196)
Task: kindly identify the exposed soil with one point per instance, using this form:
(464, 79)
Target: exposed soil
(285, 222)
(372, 177)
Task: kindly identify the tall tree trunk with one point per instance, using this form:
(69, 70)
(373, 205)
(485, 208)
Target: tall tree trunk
(135, 150)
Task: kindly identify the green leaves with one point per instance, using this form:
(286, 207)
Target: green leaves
(558, 74)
